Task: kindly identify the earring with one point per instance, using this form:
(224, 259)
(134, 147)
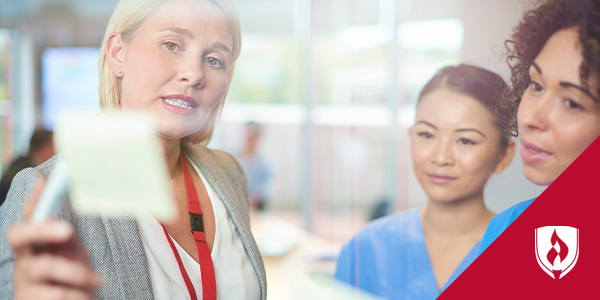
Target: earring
(119, 71)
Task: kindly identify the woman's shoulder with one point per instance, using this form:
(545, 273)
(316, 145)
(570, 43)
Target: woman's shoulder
(514, 211)
(214, 159)
(221, 170)
(25, 180)
(21, 188)
(505, 218)
(501, 221)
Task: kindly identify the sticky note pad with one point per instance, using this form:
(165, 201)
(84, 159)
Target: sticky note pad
(116, 165)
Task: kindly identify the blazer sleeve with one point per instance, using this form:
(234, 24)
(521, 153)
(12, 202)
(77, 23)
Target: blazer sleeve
(11, 212)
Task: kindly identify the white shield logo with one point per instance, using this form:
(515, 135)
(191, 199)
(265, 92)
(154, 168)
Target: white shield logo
(557, 249)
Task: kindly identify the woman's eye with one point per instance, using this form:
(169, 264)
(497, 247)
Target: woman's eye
(536, 87)
(171, 46)
(572, 104)
(213, 61)
(465, 141)
(425, 134)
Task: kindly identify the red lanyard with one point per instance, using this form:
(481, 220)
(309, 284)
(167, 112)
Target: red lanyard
(209, 285)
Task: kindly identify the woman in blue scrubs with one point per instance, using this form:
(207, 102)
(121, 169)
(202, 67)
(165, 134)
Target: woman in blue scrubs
(462, 134)
(554, 56)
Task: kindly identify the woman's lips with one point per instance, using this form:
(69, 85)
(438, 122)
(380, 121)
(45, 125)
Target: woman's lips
(440, 179)
(531, 153)
(180, 104)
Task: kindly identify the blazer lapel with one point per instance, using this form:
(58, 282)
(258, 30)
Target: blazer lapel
(131, 274)
(235, 203)
(218, 180)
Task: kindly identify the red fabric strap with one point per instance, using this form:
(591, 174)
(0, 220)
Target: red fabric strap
(184, 273)
(209, 284)
(207, 270)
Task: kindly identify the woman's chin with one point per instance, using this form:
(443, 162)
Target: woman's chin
(539, 177)
(175, 133)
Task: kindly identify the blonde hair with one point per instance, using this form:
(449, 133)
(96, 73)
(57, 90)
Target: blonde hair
(127, 17)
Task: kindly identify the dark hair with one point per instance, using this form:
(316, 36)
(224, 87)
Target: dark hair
(38, 139)
(536, 27)
(485, 86)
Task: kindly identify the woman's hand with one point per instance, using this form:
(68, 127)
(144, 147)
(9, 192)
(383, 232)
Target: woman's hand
(50, 261)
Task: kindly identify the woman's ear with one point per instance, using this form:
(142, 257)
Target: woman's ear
(505, 157)
(115, 53)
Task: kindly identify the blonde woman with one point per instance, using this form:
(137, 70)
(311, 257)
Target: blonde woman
(174, 60)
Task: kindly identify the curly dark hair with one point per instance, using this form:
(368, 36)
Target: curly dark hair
(485, 86)
(541, 22)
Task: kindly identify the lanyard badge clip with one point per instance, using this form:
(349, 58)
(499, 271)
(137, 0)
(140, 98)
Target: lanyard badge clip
(197, 223)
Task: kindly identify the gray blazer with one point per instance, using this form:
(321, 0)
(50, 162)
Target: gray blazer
(114, 245)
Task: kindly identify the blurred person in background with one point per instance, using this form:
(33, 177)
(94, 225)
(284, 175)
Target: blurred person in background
(462, 135)
(382, 208)
(173, 60)
(554, 56)
(255, 165)
(41, 148)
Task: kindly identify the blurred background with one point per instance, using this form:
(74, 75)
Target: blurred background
(318, 111)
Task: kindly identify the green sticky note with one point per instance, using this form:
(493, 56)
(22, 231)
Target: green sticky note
(116, 165)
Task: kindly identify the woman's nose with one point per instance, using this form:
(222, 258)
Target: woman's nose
(533, 113)
(444, 154)
(192, 74)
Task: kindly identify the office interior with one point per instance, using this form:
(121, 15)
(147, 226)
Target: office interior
(333, 84)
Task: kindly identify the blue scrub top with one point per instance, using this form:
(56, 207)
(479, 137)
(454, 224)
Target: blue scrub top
(388, 258)
(501, 221)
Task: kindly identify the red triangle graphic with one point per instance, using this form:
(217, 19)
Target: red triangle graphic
(508, 269)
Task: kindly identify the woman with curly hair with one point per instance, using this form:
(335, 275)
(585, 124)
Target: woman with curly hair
(554, 56)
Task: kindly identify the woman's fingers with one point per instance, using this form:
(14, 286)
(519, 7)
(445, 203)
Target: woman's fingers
(53, 292)
(49, 272)
(60, 271)
(24, 235)
(50, 261)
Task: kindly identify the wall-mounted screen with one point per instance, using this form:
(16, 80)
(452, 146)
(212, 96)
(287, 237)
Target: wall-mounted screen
(69, 78)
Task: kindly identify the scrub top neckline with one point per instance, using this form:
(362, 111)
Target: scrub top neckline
(422, 246)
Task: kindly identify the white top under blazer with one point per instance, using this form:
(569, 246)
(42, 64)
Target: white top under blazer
(235, 276)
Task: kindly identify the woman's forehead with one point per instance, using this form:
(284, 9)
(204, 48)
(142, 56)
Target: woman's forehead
(560, 60)
(561, 56)
(193, 19)
(445, 106)
(191, 12)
